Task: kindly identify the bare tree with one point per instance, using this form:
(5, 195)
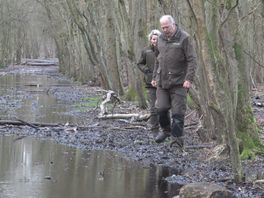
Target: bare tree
(98, 42)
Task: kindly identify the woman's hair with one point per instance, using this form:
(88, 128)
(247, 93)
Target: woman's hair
(153, 32)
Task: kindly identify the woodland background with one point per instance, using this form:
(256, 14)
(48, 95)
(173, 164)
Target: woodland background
(98, 43)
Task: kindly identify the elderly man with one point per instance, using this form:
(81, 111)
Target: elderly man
(146, 65)
(173, 76)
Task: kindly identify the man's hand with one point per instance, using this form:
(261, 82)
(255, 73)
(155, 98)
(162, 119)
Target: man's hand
(187, 84)
(154, 83)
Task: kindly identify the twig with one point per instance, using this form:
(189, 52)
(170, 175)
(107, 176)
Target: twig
(199, 127)
(230, 11)
(125, 116)
(187, 116)
(135, 127)
(117, 128)
(192, 10)
(199, 146)
(19, 138)
(191, 124)
(251, 12)
(250, 56)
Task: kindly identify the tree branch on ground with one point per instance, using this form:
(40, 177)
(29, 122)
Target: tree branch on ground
(111, 97)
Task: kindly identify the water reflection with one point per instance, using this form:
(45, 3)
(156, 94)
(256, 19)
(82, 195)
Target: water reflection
(32, 168)
(26, 96)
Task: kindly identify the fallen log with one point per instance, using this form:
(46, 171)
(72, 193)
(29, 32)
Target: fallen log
(199, 146)
(261, 181)
(134, 116)
(39, 62)
(26, 123)
(19, 122)
(36, 125)
(111, 97)
(258, 104)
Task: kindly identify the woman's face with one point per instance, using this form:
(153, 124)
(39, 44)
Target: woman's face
(153, 40)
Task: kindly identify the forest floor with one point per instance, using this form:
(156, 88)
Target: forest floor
(132, 139)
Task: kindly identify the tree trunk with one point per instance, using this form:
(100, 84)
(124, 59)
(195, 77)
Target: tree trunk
(99, 41)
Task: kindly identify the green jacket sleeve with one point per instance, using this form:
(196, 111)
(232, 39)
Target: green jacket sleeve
(191, 59)
(142, 63)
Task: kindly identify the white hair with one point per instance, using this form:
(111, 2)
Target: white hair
(168, 17)
(153, 32)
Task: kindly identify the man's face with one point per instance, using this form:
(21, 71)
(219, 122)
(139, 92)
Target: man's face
(153, 40)
(167, 27)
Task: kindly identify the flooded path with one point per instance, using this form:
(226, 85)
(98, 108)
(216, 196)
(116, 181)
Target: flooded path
(32, 168)
(25, 95)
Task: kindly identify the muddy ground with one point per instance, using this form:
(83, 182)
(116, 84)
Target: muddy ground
(132, 139)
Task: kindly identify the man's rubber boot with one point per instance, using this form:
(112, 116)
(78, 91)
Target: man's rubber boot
(161, 137)
(154, 132)
(164, 120)
(177, 125)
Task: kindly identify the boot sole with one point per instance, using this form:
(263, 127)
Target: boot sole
(161, 140)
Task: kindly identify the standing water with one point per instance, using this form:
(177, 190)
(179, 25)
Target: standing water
(25, 95)
(32, 168)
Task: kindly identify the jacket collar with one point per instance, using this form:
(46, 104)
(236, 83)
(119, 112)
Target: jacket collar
(177, 34)
(151, 47)
(174, 37)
